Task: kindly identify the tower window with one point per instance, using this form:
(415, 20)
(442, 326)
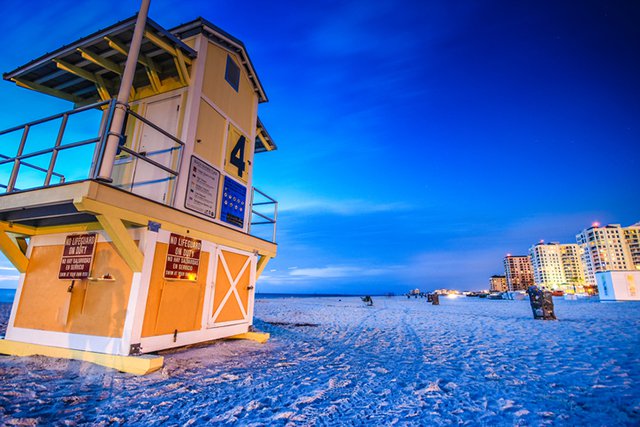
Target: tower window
(232, 73)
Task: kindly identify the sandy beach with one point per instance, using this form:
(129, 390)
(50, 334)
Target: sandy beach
(333, 361)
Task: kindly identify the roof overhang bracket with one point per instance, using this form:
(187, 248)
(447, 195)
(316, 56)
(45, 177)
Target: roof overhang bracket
(150, 67)
(15, 247)
(180, 60)
(101, 86)
(44, 89)
(105, 63)
(112, 222)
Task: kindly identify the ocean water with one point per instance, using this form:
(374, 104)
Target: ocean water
(6, 295)
(334, 361)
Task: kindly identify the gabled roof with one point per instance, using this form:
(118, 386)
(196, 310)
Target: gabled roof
(90, 67)
(225, 40)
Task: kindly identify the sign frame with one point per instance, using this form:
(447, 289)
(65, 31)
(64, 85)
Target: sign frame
(197, 164)
(180, 249)
(234, 198)
(69, 254)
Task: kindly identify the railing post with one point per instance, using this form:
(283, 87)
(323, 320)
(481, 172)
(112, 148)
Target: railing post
(111, 146)
(104, 134)
(253, 193)
(54, 153)
(275, 221)
(16, 163)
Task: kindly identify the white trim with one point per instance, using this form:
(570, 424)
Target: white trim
(162, 342)
(137, 304)
(252, 148)
(210, 283)
(251, 296)
(16, 302)
(18, 294)
(134, 291)
(66, 340)
(190, 123)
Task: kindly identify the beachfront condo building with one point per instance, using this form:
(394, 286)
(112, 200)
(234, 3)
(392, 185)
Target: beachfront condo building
(518, 271)
(557, 266)
(573, 266)
(608, 248)
(546, 262)
(498, 283)
(632, 236)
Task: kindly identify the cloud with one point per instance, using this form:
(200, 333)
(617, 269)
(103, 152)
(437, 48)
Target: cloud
(340, 271)
(313, 276)
(2, 268)
(8, 278)
(346, 207)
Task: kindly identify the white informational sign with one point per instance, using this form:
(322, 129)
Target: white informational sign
(202, 188)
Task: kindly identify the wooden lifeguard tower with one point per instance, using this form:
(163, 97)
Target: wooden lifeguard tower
(130, 217)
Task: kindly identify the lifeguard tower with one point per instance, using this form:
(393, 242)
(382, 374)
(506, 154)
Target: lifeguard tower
(132, 218)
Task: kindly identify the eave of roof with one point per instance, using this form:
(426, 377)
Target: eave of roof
(227, 41)
(117, 27)
(263, 142)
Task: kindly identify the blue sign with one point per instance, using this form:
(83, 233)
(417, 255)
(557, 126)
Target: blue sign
(234, 197)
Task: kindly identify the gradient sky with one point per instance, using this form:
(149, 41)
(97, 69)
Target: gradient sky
(418, 142)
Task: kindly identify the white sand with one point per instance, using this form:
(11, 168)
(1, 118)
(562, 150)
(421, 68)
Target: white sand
(467, 361)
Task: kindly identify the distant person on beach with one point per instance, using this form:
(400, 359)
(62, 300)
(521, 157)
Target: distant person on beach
(367, 300)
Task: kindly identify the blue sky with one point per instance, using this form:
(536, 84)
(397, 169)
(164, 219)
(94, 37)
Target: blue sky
(419, 142)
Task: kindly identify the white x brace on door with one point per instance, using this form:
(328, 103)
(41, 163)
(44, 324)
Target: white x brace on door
(233, 287)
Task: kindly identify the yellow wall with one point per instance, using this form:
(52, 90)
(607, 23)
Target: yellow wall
(96, 308)
(231, 310)
(239, 106)
(173, 304)
(210, 135)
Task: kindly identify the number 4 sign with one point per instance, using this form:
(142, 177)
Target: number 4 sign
(237, 150)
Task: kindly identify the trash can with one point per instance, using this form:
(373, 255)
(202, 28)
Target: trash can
(548, 312)
(541, 303)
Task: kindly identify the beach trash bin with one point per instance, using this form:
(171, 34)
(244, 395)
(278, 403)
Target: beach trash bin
(548, 312)
(541, 303)
(435, 299)
(535, 300)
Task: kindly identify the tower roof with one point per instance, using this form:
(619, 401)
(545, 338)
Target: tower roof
(89, 68)
(225, 40)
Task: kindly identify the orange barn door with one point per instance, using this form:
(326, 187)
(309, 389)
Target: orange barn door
(233, 288)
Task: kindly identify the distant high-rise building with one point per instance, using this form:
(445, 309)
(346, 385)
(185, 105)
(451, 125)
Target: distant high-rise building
(498, 283)
(608, 248)
(546, 262)
(518, 271)
(632, 236)
(573, 265)
(557, 265)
